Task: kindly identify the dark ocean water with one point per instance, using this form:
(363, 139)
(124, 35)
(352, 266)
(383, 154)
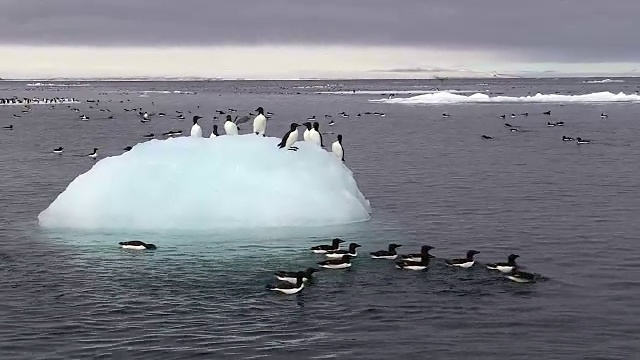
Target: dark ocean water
(570, 211)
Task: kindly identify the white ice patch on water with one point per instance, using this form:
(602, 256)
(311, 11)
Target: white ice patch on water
(201, 183)
(603, 81)
(396, 92)
(38, 84)
(449, 98)
(41, 102)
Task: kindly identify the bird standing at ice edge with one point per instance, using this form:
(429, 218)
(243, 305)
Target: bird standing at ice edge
(260, 122)
(315, 136)
(336, 148)
(230, 127)
(196, 130)
(214, 133)
(307, 131)
(290, 138)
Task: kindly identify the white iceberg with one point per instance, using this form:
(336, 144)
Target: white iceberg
(200, 183)
(450, 98)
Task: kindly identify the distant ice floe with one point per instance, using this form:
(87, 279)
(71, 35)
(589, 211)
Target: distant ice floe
(450, 98)
(395, 92)
(38, 84)
(182, 92)
(604, 81)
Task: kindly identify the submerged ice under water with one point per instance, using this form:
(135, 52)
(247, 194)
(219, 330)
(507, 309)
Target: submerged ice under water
(201, 183)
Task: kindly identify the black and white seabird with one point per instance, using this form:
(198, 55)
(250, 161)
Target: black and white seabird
(422, 264)
(567, 138)
(445, 115)
(94, 154)
(148, 136)
(580, 140)
(322, 249)
(292, 276)
(464, 263)
(521, 276)
(547, 112)
(418, 257)
(337, 149)
(342, 263)
(603, 115)
(289, 288)
(136, 245)
(352, 251)
(58, 150)
(127, 148)
(8, 127)
(505, 267)
(389, 254)
(290, 138)
(486, 137)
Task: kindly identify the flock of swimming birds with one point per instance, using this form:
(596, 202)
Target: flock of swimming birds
(292, 282)
(231, 124)
(512, 128)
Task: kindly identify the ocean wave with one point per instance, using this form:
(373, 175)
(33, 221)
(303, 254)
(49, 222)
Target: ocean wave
(56, 85)
(450, 98)
(604, 81)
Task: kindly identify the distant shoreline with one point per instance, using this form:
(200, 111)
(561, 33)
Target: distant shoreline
(58, 80)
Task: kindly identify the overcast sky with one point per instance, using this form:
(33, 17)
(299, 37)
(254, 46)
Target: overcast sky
(497, 32)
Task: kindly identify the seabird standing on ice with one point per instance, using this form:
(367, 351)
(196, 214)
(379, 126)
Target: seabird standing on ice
(196, 130)
(315, 136)
(290, 138)
(307, 131)
(260, 122)
(230, 128)
(337, 149)
(214, 133)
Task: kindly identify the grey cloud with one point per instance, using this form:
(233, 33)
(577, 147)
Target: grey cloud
(548, 30)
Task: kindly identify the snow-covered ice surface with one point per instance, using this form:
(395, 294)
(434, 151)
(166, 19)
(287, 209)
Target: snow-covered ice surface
(199, 184)
(450, 98)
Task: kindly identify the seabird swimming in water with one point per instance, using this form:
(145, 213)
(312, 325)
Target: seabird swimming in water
(292, 276)
(94, 154)
(260, 122)
(603, 116)
(503, 116)
(507, 125)
(8, 127)
(322, 249)
(127, 148)
(421, 264)
(580, 140)
(331, 123)
(445, 115)
(521, 276)
(335, 254)
(505, 267)
(486, 137)
(337, 149)
(290, 138)
(148, 136)
(136, 245)
(567, 138)
(463, 263)
(342, 263)
(418, 257)
(389, 254)
(547, 112)
(289, 288)
(58, 150)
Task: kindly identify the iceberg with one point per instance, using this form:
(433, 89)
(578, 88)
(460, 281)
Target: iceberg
(205, 184)
(450, 98)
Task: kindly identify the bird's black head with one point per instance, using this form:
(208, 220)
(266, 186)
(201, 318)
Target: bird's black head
(426, 248)
(316, 125)
(347, 257)
(513, 257)
(260, 110)
(294, 126)
(353, 246)
(337, 241)
(311, 270)
(228, 117)
(579, 138)
(340, 139)
(150, 246)
(307, 124)
(95, 149)
(394, 246)
(196, 118)
(471, 253)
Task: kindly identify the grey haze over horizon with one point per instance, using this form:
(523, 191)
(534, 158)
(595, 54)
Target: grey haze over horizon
(332, 38)
(548, 30)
